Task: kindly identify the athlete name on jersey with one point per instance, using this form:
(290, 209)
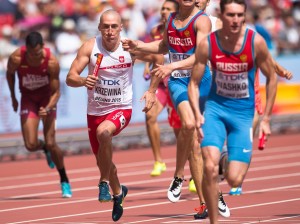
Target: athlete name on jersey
(32, 81)
(109, 90)
(232, 67)
(180, 41)
(232, 85)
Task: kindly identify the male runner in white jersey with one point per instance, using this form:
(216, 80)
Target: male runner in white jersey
(109, 99)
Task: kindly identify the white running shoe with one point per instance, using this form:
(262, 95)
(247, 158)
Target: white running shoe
(223, 208)
(174, 191)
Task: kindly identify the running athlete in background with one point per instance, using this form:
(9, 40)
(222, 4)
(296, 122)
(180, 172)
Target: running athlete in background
(38, 73)
(184, 31)
(109, 106)
(153, 129)
(234, 52)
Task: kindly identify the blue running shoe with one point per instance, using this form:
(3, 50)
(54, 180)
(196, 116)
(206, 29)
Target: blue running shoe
(66, 190)
(118, 204)
(51, 164)
(235, 191)
(104, 194)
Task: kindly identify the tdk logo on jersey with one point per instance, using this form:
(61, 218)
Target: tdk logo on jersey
(233, 77)
(109, 82)
(178, 57)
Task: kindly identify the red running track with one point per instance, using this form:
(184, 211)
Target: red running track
(30, 192)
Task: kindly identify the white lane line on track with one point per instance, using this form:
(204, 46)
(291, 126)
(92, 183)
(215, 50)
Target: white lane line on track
(148, 205)
(272, 220)
(235, 208)
(126, 175)
(150, 162)
(83, 170)
(149, 181)
(133, 195)
(146, 171)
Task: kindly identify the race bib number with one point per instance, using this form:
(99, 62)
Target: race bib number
(232, 85)
(109, 91)
(180, 73)
(33, 82)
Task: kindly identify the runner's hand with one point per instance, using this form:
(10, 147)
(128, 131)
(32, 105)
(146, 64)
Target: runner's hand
(43, 112)
(91, 81)
(287, 74)
(199, 123)
(15, 104)
(162, 71)
(129, 45)
(150, 100)
(264, 127)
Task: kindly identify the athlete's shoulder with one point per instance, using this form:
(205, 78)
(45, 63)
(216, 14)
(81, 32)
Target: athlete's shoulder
(156, 32)
(203, 23)
(53, 61)
(15, 57)
(87, 47)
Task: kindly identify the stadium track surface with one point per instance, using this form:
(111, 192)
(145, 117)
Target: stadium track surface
(30, 192)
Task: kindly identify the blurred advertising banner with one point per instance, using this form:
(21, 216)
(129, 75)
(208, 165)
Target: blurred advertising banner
(287, 98)
(71, 109)
(71, 112)
(288, 91)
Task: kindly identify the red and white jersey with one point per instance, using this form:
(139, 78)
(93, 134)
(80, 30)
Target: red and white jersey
(233, 72)
(114, 88)
(34, 79)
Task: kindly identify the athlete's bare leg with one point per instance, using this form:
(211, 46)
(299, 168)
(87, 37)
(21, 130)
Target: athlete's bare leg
(30, 133)
(186, 136)
(196, 168)
(104, 156)
(153, 130)
(50, 142)
(210, 186)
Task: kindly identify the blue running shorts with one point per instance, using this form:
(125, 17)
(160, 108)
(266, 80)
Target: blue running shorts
(222, 123)
(178, 89)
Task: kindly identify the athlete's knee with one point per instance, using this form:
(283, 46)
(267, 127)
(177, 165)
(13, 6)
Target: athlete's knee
(211, 170)
(50, 145)
(104, 136)
(234, 180)
(151, 118)
(31, 146)
(188, 127)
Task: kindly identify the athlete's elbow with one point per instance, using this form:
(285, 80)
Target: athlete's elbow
(68, 81)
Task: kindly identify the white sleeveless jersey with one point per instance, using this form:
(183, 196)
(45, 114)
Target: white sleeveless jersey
(114, 88)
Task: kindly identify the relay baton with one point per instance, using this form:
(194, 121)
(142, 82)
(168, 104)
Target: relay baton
(262, 142)
(97, 65)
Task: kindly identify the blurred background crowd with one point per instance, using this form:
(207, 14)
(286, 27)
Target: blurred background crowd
(65, 24)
